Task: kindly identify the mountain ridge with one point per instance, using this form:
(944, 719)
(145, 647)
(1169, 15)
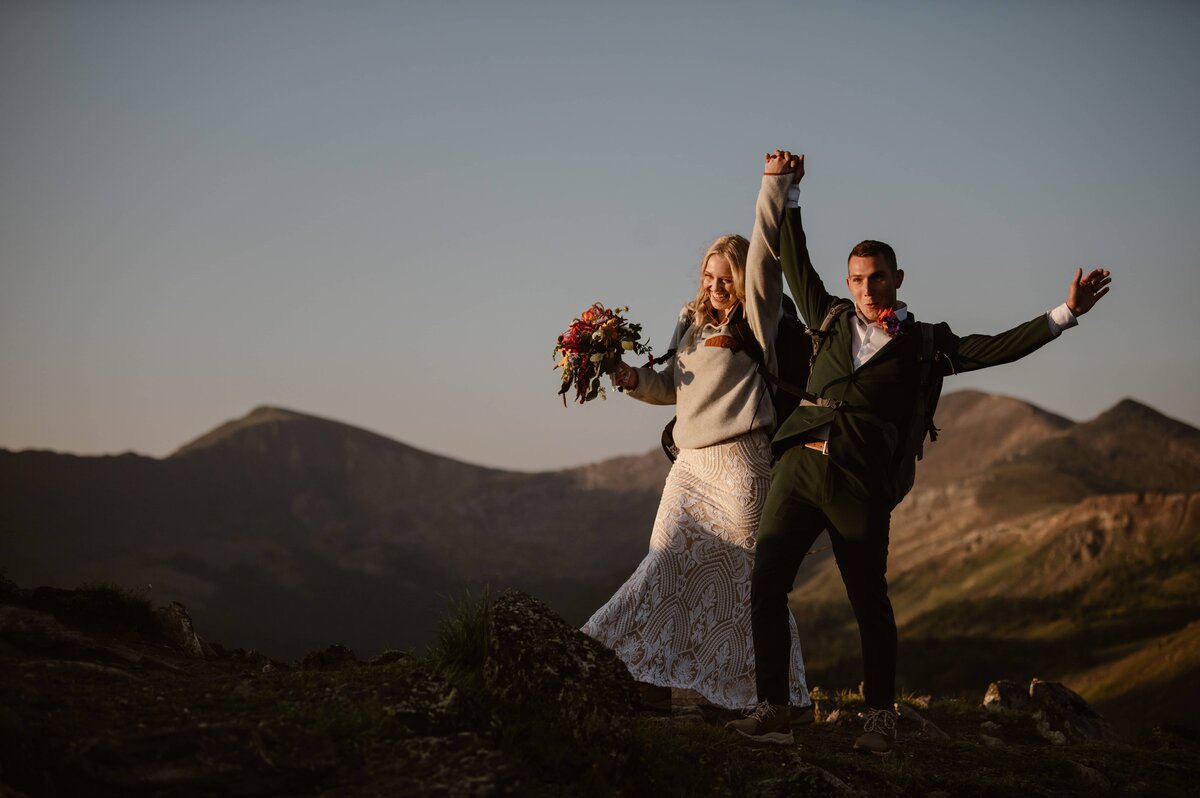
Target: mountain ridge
(360, 536)
(280, 507)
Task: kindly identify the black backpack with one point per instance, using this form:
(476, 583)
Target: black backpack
(796, 347)
(912, 438)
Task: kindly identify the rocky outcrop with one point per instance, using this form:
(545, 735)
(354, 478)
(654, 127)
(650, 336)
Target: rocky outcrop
(540, 670)
(175, 623)
(1063, 716)
(1060, 714)
(1005, 694)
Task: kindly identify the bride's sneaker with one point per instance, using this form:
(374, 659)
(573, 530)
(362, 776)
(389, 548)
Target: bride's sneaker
(766, 723)
(879, 732)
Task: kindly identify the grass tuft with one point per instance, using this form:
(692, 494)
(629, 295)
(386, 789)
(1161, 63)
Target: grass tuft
(460, 648)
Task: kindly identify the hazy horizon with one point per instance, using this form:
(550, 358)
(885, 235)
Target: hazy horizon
(653, 447)
(384, 214)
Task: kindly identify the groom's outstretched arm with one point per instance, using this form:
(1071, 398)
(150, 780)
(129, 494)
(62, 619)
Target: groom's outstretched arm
(972, 352)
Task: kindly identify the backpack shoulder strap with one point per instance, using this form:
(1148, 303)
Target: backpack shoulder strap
(838, 308)
(739, 328)
(929, 373)
(670, 353)
(805, 397)
(818, 334)
(927, 343)
(746, 342)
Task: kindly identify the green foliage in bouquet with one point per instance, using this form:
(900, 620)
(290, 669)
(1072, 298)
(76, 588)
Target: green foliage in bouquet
(592, 347)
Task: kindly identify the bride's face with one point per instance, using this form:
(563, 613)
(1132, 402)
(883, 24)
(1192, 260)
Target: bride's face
(718, 283)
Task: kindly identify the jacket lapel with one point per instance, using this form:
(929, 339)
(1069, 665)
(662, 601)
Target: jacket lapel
(893, 345)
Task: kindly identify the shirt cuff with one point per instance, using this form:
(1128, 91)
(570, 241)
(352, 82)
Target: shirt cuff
(793, 197)
(1061, 318)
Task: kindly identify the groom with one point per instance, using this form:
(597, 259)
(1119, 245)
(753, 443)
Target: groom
(836, 465)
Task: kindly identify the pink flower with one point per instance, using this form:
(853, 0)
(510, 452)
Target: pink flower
(592, 346)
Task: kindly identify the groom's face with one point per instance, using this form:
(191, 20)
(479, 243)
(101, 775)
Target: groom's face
(872, 283)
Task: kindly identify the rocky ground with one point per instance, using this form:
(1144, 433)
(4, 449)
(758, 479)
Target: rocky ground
(102, 696)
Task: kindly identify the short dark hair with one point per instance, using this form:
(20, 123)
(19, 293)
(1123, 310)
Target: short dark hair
(874, 249)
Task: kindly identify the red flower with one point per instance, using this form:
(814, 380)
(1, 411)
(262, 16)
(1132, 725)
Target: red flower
(887, 321)
(585, 355)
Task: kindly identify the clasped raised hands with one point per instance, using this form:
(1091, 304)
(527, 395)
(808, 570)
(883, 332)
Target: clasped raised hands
(782, 162)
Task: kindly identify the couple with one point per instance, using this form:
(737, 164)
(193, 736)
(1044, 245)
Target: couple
(707, 608)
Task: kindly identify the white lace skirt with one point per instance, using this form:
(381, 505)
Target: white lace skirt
(683, 618)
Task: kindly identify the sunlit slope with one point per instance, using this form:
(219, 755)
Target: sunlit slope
(1067, 554)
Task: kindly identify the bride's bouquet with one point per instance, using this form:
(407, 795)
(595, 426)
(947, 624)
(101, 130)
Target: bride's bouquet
(592, 347)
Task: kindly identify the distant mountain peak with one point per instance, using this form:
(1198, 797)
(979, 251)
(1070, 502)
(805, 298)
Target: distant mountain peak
(969, 400)
(263, 414)
(1128, 410)
(979, 430)
(283, 435)
(271, 410)
(1131, 417)
(1129, 447)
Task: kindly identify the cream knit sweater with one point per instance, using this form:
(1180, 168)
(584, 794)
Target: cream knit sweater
(717, 393)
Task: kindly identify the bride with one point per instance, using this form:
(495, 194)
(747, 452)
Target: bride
(682, 619)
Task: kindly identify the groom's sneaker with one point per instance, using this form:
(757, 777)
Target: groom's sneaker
(879, 732)
(766, 723)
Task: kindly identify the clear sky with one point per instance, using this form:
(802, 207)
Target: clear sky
(384, 213)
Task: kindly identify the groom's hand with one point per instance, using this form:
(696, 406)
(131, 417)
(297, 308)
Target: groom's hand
(1085, 292)
(782, 162)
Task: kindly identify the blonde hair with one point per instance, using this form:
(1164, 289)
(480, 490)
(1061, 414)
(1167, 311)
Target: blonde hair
(733, 248)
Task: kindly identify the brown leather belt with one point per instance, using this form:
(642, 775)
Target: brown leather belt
(818, 446)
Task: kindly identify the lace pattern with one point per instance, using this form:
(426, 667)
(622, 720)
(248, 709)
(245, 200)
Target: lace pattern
(682, 619)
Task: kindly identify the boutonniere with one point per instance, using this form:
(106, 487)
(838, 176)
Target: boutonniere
(888, 322)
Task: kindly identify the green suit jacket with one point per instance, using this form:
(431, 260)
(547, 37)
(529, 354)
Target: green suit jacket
(878, 397)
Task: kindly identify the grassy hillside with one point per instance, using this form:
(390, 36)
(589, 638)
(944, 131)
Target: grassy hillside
(1092, 592)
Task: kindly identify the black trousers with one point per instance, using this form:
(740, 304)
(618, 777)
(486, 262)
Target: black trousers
(805, 498)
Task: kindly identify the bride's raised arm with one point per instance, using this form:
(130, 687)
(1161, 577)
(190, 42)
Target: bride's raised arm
(764, 279)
